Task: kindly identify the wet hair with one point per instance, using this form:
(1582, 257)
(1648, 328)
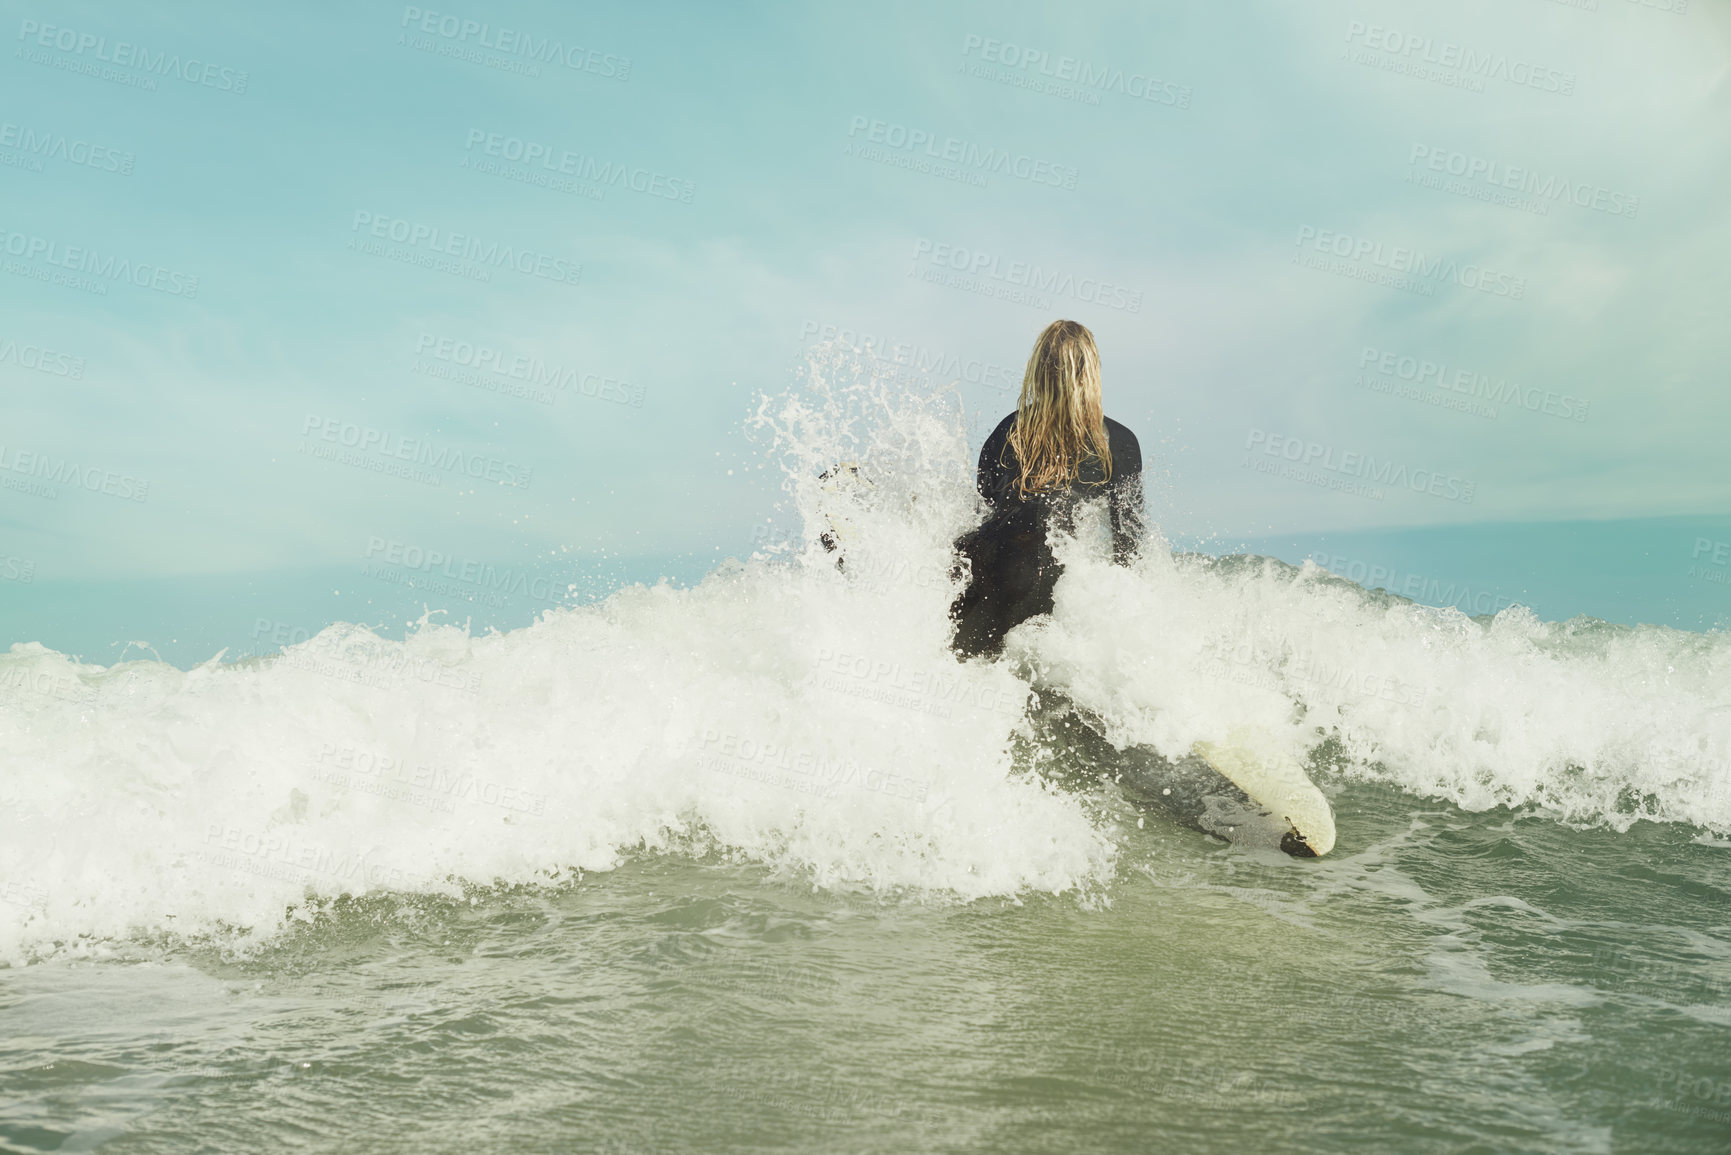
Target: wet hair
(1060, 419)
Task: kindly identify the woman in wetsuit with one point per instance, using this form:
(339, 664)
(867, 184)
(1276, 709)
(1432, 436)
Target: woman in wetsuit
(1057, 449)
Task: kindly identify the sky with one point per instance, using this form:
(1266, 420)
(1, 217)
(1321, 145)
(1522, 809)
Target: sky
(1361, 265)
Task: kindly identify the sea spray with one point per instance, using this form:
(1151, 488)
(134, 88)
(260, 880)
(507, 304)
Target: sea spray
(800, 708)
(790, 709)
(1596, 722)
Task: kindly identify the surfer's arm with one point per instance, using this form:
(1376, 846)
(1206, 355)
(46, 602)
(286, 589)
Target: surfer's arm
(995, 471)
(1125, 500)
(986, 473)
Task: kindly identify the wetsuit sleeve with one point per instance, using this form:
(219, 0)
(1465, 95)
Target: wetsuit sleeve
(993, 475)
(1125, 496)
(983, 476)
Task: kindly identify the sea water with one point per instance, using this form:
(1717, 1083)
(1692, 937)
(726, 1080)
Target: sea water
(755, 864)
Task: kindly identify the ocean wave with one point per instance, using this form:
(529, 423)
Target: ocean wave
(800, 713)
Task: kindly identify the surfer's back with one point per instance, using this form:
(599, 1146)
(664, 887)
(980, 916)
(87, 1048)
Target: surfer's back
(1057, 449)
(1000, 469)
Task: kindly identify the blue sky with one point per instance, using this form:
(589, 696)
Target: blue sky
(1280, 133)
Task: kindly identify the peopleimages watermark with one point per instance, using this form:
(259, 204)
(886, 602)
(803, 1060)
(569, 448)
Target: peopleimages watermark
(364, 661)
(824, 1098)
(457, 253)
(516, 49)
(1512, 185)
(777, 982)
(1155, 1072)
(416, 458)
(1718, 552)
(885, 573)
(1716, 567)
(1425, 590)
(951, 158)
(920, 362)
(798, 769)
(407, 564)
(86, 269)
(1693, 1094)
(517, 374)
(1349, 470)
(535, 162)
(1247, 661)
(1067, 77)
(86, 53)
(1466, 390)
(45, 684)
(34, 145)
(1022, 282)
(1448, 63)
(1397, 266)
(388, 775)
(926, 690)
(42, 359)
(1639, 973)
(41, 475)
(17, 892)
(280, 854)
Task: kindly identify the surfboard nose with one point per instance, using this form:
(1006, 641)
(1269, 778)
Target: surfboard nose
(1272, 778)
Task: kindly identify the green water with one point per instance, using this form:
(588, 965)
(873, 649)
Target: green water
(1444, 982)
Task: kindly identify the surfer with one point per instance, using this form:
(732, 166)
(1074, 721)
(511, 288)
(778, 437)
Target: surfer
(1055, 451)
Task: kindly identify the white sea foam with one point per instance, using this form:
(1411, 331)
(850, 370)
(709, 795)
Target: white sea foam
(1603, 724)
(799, 714)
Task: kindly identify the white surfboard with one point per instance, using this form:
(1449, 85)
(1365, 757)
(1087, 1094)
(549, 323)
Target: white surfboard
(1257, 765)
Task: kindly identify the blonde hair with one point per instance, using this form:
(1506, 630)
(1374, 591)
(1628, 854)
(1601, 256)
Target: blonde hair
(1060, 419)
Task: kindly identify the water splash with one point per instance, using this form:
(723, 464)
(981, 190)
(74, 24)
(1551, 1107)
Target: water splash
(799, 713)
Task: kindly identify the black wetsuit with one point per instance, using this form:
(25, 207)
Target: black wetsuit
(1013, 570)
